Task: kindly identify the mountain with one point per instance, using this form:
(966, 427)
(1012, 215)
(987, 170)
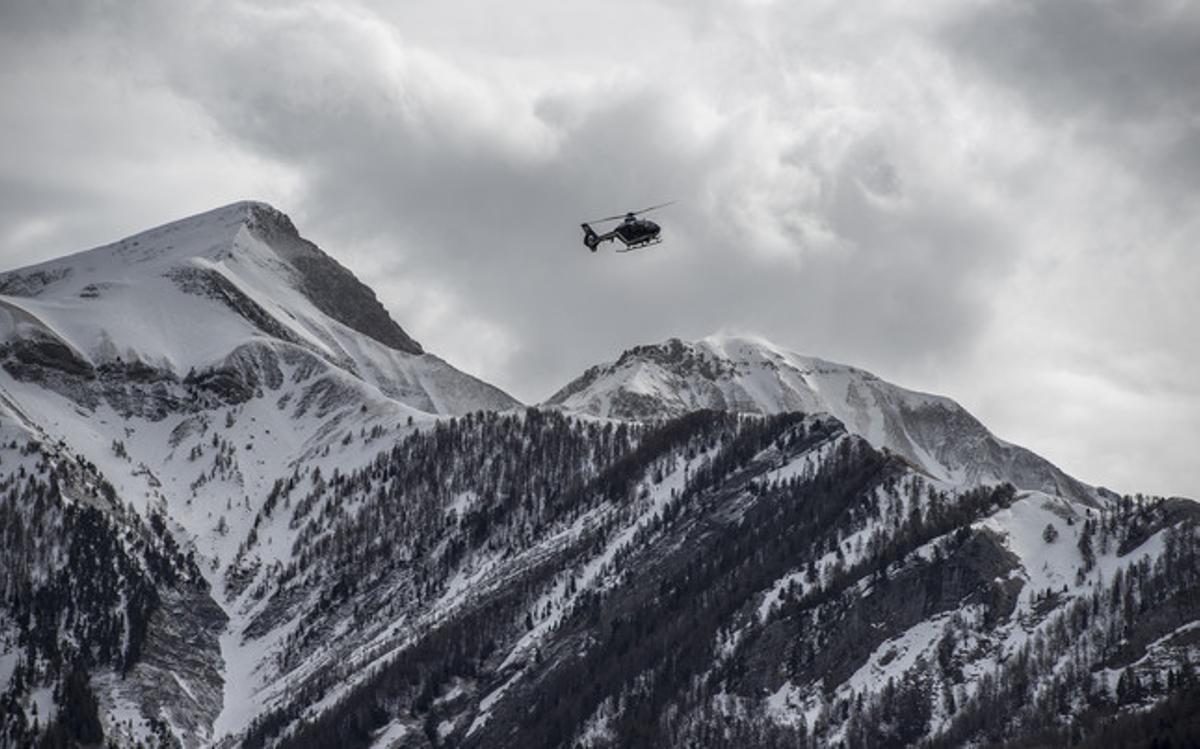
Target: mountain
(240, 506)
(748, 375)
(173, 377)
(215, 301)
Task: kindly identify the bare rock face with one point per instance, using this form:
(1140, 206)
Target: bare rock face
(331, 287)
(178, 678)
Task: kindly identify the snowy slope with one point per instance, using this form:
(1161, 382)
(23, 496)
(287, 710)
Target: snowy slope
(280, 539)
(752, 375)
(194, 366)
(185, 297)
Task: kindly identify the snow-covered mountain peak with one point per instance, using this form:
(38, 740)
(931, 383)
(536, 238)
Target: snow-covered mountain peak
(202, 293)
(748, 350)
(725, 372)
(247, 243)
(209, 235)
(733, 345)
(750, 374)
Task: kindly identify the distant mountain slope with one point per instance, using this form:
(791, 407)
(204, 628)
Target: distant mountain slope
(748, 375)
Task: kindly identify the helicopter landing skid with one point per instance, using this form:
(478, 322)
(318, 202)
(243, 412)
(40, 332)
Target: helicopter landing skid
(640, 245)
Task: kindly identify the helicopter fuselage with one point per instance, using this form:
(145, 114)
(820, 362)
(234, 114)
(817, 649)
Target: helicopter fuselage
(638, 231)
(633, 233)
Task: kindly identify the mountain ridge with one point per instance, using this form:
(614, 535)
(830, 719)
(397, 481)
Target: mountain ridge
(260, 525)
(752, 375)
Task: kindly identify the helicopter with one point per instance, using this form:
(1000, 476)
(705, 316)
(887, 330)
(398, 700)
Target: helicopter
(635, 233)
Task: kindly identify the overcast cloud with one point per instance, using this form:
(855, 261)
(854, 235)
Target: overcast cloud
(989, 200)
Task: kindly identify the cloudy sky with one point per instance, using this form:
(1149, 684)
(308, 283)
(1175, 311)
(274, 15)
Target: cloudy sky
(995, 201)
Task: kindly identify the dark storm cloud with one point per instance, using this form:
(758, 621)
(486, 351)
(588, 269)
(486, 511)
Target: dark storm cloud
(1122, 74)
(95, 146)
(1117, 83)
(918, 189)
(481, 191)
(497, 220)
(1081, 58)
(490, 210)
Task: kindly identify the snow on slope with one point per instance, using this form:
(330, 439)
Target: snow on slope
(185, 296)
(195, 365)
(755, 376)
(333, 381)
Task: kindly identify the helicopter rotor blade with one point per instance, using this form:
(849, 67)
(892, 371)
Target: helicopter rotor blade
(620, 216)
(653, 208)
(610, 218)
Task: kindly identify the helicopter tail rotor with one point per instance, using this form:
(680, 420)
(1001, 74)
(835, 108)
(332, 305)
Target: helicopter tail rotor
(590, 238)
